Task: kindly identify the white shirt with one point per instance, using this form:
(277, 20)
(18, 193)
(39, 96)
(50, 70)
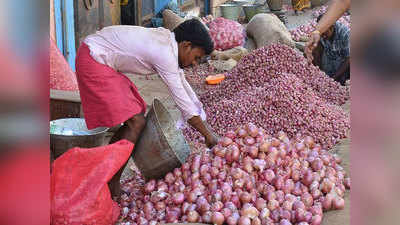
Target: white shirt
(139, 50)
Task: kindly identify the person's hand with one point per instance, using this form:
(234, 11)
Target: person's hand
(211, 140)
(312, 44)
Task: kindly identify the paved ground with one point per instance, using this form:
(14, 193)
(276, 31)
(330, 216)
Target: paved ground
(152, 86)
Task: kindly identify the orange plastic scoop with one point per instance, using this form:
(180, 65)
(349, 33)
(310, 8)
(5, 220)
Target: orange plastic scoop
(215, 79)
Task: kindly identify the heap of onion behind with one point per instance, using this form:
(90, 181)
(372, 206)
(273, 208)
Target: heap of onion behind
(249, 178)
(276, 89)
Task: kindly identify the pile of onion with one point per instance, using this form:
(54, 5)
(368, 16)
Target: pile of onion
(249, 178)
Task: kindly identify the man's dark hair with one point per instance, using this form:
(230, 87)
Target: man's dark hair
(195, 32)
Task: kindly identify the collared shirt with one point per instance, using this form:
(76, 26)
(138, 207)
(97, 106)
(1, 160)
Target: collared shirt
(139, 50)
(336, 50)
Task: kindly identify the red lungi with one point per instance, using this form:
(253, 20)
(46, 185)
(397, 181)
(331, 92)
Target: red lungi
(108, 97)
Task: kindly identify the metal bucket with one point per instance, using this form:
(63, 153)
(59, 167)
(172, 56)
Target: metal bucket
(230, 11)
(72, 132)
(241, 3)
(275, 5)
(161, 146)
(250, 11)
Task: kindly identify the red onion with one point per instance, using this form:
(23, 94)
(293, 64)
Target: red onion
(245, 197)
(273, 204)
(217, 218)
(226, 212)
(260, 204)
(316, 220)
(347, 182)
(207, 217)
(338, 203)
(269, 175)
(285, 222)
(192, 217)
(327, 202)
(244, 221)
(249, 211)
(226, 141)
(307, 199)
(150, 186)
(232, 220)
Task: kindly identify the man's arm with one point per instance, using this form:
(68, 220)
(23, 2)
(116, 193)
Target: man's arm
(201, 126)
(335, 11)
(342, 69)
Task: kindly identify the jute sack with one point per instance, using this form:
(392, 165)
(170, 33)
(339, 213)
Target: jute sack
(235, 53)
(171, 20)
(267, 29)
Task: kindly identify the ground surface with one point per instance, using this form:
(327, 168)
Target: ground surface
(151, 87)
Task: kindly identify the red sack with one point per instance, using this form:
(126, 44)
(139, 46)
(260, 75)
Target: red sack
(226, 34)
(61, 75)
(79, 190)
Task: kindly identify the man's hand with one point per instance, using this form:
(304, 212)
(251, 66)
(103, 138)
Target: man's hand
(211, 140)
(312, 43)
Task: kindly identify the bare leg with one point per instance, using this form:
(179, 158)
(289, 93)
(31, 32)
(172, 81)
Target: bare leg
(130, 131)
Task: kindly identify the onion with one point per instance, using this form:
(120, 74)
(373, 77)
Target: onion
(192, 217)
(269, 175)
(307, 217)
(264, 213)
(214, 172)
(347, 182)
(300, 214)
(260, 204)
(272, 204)
(286, 214)
(225, 141)
(316, 220)
(245, 197)
(256, 221)
(244, 221)
(226, 212)
(288, 205)
(249, 211)
(307, 199)
(338, 203)
(232, 220)
(326, 185)
(217, 218)
(317, 164)
(280, 196)
(217, 206)
(206, 218)
(278, 182)
(249, 140)
(241, 132)
(150, 186)
(265, 146)
(298, 205)
(159, 206)
(285, 222)
(327, 202)
(235, 154)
